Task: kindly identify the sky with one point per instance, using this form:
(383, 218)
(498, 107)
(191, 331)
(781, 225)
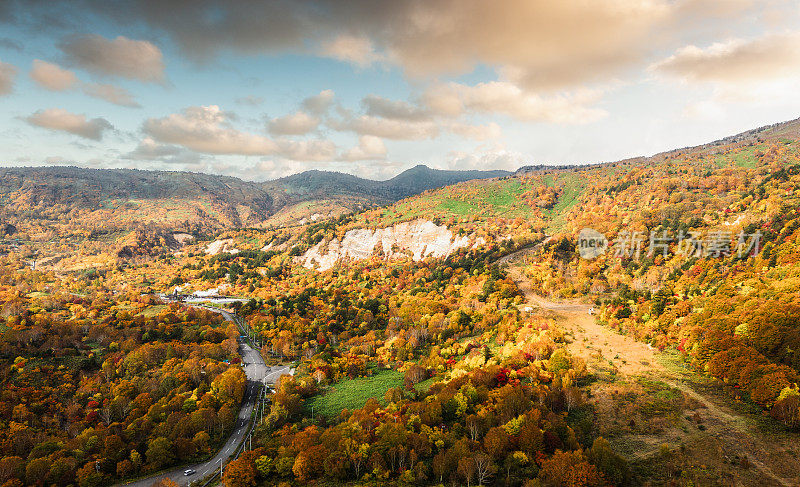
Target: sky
(260, 90)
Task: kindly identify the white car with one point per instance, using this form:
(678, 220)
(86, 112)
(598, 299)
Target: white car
(188, 472)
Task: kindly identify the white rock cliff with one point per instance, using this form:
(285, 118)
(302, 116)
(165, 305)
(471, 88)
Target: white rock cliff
(418, 238)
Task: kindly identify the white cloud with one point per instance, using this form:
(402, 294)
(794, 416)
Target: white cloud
(319, 104)
(351, 49)
(495, 159)
(52, 76)
(110, 93)
(476, 132)
(61, 120)
(298, 123)
(315, 150)
(377, 106)
(8, 74)
(736, 61)
(128, 58)
(546, 45)
(206, 129)
(369, 148)
(454, 99)
(57, 161)
(755, 72)
(149, 149)
(250, 100)
(387, 128)
(704, 110)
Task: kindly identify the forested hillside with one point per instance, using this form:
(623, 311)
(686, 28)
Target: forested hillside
(668, 359)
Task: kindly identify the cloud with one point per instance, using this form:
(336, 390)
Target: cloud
(496, 159)
(61, 120)
(540, 45)
(369, 148)
(150, 149)
(476, 132)
(735, 61)
(315, 150)
(10, 44)
(703, 110)
(206, 129)
(351, 49)
(298, 123)
(250, 100)
(52, 77)
(8, 73)
(305, 120)
(110, 93)
(378, 106)
(319, 104)
(387, 128)
(123, 57)
(454, 99)
(57, 161)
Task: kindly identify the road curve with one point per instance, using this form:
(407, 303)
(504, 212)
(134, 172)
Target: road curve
(256, 371)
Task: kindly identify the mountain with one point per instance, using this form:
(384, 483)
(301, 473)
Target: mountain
(215, 201)
(422, 178)
(319, 185)
(196, 201)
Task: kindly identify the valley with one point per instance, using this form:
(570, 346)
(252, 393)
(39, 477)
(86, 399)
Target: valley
(455, 336)
(413, 243)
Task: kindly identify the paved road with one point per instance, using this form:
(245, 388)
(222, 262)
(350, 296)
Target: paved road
(256, 371)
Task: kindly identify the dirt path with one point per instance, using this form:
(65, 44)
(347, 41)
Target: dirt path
(774, 457)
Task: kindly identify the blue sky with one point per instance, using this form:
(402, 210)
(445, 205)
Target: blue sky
(264, 90)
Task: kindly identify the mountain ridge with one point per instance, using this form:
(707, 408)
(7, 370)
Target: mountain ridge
(211, 201)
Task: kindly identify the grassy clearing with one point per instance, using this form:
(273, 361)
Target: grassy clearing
(744, 157)
(426, 384)
(354, 393)
(484, 198)
(572, 186)
(154, 310)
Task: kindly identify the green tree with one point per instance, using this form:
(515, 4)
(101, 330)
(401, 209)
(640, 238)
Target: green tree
(613, 466)
(160, 452)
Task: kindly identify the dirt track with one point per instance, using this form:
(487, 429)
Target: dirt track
(774, 457)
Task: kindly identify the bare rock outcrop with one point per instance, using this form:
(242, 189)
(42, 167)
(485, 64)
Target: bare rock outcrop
(417, 239)
(221, 246)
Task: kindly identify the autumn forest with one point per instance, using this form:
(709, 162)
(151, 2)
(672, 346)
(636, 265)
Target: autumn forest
(457, 336)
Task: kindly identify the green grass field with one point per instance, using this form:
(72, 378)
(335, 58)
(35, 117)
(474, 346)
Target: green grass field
(744, 157)
(488, 198)
(354, 393)
(153, 310)
(572, 186)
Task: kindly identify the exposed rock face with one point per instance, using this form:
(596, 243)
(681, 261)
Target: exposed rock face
(183, 238)
(220, 246)
(419, 239)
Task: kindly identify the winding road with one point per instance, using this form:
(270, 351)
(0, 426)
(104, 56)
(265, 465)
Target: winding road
(257, 373)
